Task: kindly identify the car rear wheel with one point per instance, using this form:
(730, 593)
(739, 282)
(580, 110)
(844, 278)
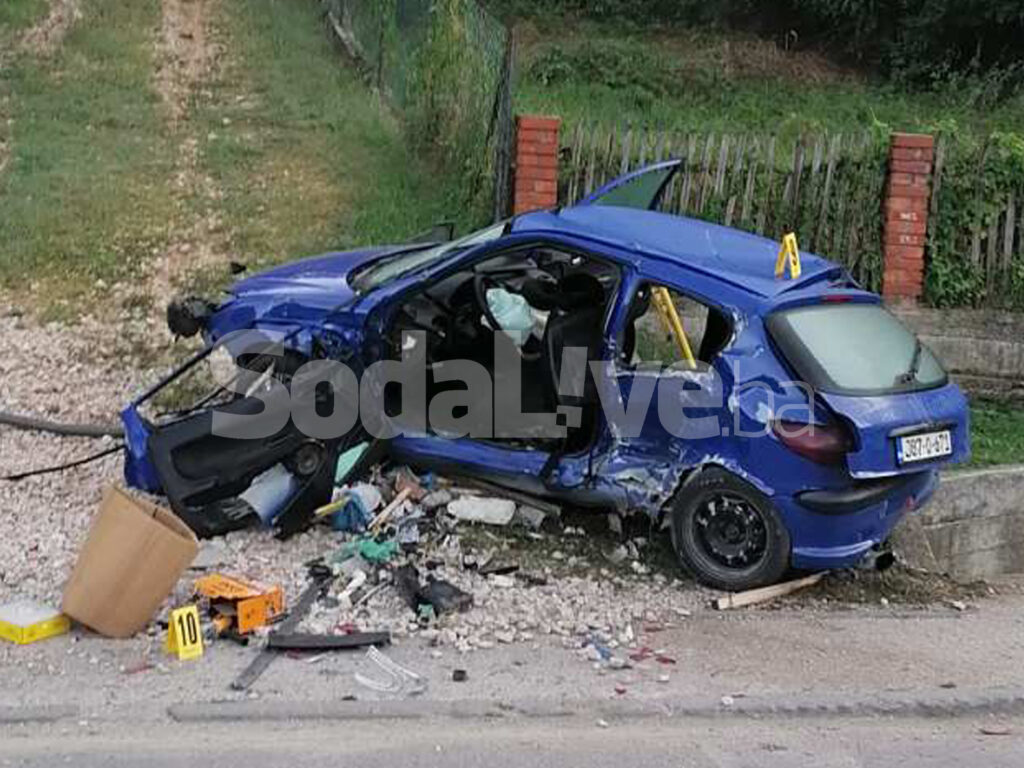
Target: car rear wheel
(727, 533)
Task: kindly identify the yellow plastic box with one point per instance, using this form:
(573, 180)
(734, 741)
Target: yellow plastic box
(26, 622)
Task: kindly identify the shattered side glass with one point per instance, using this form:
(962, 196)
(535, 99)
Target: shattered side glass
(387, 270)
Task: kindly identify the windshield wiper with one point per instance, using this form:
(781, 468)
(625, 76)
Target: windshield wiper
(915, 363)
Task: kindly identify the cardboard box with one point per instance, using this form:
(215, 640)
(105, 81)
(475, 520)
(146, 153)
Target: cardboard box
(135, 554)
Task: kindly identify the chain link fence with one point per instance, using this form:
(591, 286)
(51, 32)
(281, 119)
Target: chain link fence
(446, 66)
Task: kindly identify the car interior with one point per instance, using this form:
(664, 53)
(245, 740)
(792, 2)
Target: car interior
(546, 299)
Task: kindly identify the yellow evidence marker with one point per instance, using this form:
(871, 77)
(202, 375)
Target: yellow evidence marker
(788, 253)
(184, 636)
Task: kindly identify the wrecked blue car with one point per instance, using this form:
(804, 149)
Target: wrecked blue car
(768, 421)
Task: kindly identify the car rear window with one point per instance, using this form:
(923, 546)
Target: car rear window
(855, 349)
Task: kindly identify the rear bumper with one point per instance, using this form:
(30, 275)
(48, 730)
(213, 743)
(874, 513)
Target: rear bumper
(835, 529)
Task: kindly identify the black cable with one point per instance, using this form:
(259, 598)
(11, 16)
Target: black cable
(69, 465)
(58, 428)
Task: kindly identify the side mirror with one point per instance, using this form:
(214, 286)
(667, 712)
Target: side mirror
(443, 232)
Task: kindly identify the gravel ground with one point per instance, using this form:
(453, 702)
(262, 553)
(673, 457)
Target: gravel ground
(64, 373)
(87, 372)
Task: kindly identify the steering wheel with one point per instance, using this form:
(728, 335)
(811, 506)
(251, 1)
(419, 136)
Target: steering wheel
(481, 284)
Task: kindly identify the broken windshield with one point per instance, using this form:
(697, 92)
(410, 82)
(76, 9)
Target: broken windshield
(386, 270)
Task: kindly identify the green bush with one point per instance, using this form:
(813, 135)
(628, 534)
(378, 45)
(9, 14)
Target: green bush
(909, 41)
(615, 64)
(978, 177)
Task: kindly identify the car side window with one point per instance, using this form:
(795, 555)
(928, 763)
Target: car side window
(647, 337)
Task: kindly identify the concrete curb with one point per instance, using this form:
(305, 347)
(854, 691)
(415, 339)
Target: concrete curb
(41, 714)
(887, 704)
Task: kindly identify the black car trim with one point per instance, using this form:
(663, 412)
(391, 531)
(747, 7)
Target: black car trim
(855, 498)
(922, 428)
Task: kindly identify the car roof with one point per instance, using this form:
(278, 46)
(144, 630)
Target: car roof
(739, 260)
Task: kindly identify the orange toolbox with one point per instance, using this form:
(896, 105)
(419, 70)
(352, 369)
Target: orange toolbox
(239, 604)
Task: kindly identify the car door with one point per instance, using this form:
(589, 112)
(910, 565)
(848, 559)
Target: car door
(215, 478)
(642, 189)
(663, 414)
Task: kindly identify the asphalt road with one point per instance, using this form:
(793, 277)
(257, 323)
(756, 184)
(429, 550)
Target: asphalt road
(697, 743)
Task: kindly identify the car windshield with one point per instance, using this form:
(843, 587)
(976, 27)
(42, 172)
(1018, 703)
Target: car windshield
(856, 349)
(387, 269)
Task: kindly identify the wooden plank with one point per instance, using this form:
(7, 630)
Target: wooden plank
(735, 183)
(1020, 231)
(666, 151)
(730, 209)
(641, 157)
(612, 150)
(627, 146)
(833, 157)
(703, 180)
(577, 165)
(1008, 234)
(990, 253)
(835, 242)
(748, 189)
(764, 594)
(663, 145)
(691, 162)
(588, 187)
(389, 510)
(766, 205)
(723, 162)
(937, 168)
(794, 198)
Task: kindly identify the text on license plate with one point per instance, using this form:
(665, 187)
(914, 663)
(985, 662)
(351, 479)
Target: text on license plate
(929, 445)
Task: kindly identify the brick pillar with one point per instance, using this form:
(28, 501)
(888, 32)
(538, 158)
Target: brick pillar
(536, 163)
(906, 216)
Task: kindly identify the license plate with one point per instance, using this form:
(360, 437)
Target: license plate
(929, 445)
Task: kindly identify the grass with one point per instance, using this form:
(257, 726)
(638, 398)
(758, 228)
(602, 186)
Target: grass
(997, 433)
(704, 80)
(295, 156)
(81, 198)
(18, 15)
(305, 157)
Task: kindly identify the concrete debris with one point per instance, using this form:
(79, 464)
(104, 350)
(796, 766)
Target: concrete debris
(530, 517)
(503, 582)
(435, 499)
(212, 554)
(480, 509)
(618, 555)
(47, 520)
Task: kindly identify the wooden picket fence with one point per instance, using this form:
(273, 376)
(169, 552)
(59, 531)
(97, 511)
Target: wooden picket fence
(828, 188)
(976, 217)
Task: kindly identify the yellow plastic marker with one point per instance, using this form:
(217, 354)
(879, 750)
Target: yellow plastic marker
(789, 252)
(183, 635)
(670, 317)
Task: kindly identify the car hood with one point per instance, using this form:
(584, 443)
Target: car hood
(321, 280)
(298, 293)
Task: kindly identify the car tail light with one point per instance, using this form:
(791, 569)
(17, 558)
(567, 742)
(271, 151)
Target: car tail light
(824, 444)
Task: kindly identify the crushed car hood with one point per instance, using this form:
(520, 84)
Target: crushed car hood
(321, 277)
(300, 291)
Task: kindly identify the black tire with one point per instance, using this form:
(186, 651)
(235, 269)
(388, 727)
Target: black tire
(727, 533)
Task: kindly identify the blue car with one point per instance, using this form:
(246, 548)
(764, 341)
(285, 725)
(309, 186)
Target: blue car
(769, 421)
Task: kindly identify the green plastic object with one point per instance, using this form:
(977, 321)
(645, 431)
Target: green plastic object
(370, 550)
